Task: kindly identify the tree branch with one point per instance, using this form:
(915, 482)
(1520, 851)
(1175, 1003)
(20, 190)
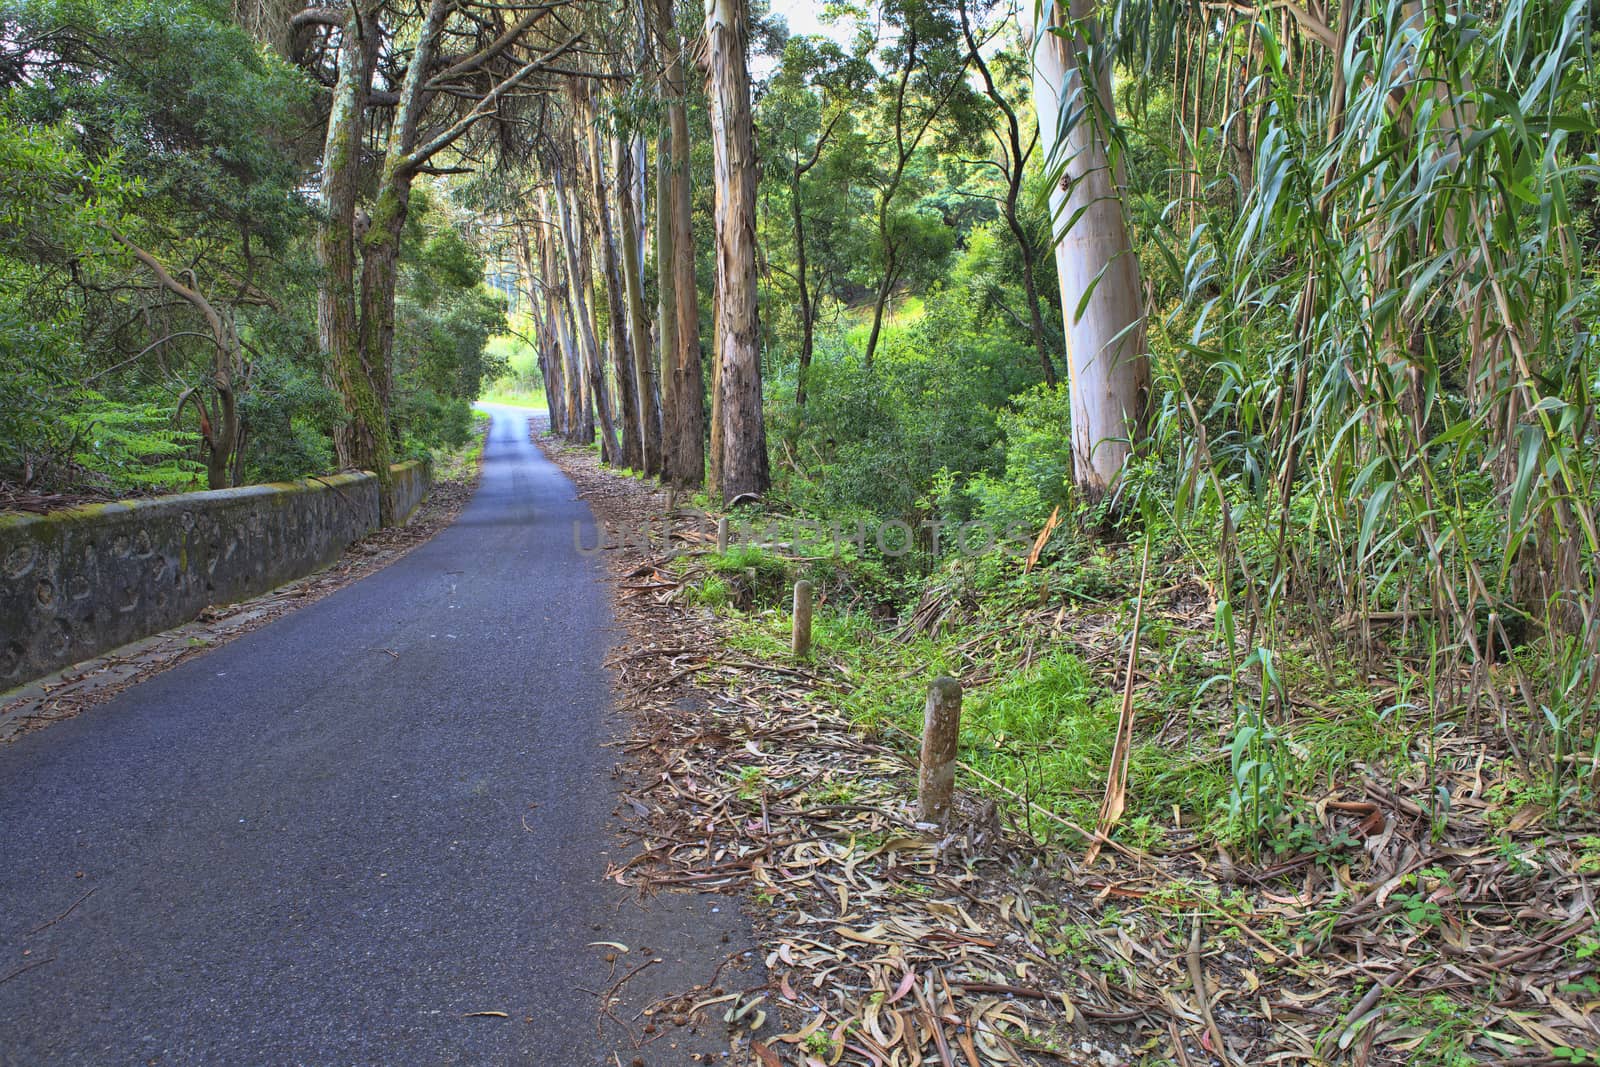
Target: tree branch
(219, 332)
(422, 153)
(494, 48)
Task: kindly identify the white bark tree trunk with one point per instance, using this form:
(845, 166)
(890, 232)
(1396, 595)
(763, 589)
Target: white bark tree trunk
(743, 469)
(1108, 367)
(647, 393)
(578, 278)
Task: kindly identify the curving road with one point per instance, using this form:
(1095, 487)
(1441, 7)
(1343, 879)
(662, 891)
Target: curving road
(331, 840)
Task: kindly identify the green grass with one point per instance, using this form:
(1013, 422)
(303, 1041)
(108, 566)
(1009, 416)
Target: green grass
(520, 386)
(461, 464)
(746, 577)
(1045, 731)
(511, 396)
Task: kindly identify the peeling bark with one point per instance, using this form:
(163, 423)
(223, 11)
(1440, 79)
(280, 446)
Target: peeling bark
(743, 467)
(648, 402)
(583, 325)
(603, 233)
(1108, 368)
(684, 421)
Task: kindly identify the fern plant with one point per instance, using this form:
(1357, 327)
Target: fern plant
(132, 445)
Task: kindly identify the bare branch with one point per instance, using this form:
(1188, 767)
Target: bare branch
(422, 153)
(219, 332)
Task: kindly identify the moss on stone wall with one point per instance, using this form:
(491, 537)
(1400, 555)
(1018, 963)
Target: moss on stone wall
(78, 582)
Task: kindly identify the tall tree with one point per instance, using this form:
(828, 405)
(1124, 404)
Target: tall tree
(929, 60)
(603, 238)
(806, 104)
(683, 405)
(1014, 152)
(1102, 299)
(743, 468)
(646, 390)
(579, 424)
(441, 96)
(569, 206)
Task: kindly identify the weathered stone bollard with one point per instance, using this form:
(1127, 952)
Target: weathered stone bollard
(722, 536)
(802, 619)
(941, 728)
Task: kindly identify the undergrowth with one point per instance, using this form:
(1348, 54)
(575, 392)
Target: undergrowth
(1041, 706)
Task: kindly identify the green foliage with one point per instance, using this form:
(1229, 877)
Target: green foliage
(511, 365)
(443, 322)
(881, 436)
(130, 446)
(1038, 461)
(748, 575)
(1358, 420)
(288, 413)
(167, 125)
(714, 592)
(159, 124)
(460, 465)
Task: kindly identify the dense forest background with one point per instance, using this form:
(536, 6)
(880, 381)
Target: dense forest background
(1337, 477)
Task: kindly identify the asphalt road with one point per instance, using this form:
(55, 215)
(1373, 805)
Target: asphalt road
(331, 840)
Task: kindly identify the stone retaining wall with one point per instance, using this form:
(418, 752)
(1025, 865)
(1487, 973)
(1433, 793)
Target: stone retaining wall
(411, 483)
(80, 582)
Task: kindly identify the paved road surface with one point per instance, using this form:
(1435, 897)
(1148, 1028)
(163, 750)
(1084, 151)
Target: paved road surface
(329, 840)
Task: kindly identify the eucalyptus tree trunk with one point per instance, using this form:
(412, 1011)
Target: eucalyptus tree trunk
(580, 413)
(684, 420)
(578, 276)
(536, 272)
(580, 420)
(644, 364)
(575, 424)
(640, 150)
(666, 297)
(743, 467)
(603, 234)
(717, 429)
(1101, 295)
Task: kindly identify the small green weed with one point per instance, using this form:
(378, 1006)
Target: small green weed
(751, 781)
(713, 593)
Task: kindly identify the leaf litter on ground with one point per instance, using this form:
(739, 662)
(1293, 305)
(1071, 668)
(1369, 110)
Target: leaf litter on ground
(891, 944)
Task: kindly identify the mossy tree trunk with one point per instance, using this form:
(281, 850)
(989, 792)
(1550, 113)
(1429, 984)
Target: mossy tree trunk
(356, 318)
(363, 437)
